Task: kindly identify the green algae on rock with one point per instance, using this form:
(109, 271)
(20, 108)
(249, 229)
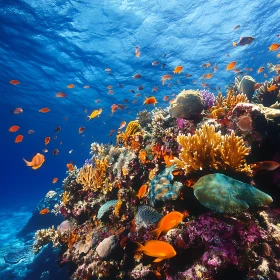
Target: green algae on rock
(224, 194)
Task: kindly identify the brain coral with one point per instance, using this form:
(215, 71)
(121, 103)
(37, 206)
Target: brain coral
(224, 194)
(187, 104)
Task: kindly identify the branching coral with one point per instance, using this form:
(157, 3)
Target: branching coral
(91, 178)
(209, 150)
(132, 128)
(230, 101)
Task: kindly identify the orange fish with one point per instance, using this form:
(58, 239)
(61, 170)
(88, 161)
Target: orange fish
(36, 161)
(171, 101)
(154, 63)
(231, 65)
(169, 221)
(54, 180)
(44, 211)
(14, 128)
(55, 152)
(137, 76)
(61, 95)
(274, 47)
(122, 125)
(165, 78)
(150, 100)
(271, 88)
(70, 166)
(114, 108)
(178, 69)
(17, 111)
(265, 165)
(109, 87)
(137, 52)
(208, 64)
(14, 82)
(142, 191)
(166, 97)
(47, 140)
(81, 129)
(71, 86)
(19, 138)
(44, 110)
(159, 249)
(110, 92)
(260, 70)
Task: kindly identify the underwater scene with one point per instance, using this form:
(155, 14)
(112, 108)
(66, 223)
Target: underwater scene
(140, 140)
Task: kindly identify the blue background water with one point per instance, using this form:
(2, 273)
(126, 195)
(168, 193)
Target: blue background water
(49, 44)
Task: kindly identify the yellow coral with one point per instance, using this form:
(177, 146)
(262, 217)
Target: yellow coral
(93, 177)
(65, 197)
(230, 101)
(209, 150)
(118, 208)
(132, 128)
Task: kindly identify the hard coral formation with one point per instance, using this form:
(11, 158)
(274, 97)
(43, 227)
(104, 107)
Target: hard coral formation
(223, 194)
(210, 151)
(186, 104)
(106, 209)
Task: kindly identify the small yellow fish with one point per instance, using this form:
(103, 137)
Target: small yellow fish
(95, 113)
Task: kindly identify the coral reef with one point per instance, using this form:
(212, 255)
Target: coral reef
(163, 162)
(210, 151)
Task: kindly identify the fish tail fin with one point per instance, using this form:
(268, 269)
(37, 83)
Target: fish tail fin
(156, 232)
(234, 44)
(28, 163)
(140, 247)
(162, 81)
(270, 67)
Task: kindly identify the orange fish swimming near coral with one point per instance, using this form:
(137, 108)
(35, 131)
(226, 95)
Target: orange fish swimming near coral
(14, 82)
(169, 221)
(265, 165)
(54, 180)
(36, 161)
(231, 65)
(70, 166)
(142, 191)
(19, 138)
(47, 140)
(14, 128)
(150, 100)
(165, 78)
(44, 211)
(159, 249)
(44, 110)
(178, 69)
(274, 47)
(260, 70)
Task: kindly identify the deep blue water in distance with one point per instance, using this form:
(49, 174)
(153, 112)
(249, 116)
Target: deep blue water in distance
(49, 44)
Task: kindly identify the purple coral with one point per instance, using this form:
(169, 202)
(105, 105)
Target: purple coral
(209, 98)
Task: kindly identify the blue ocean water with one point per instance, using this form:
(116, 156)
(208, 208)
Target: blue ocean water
(47, 45)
